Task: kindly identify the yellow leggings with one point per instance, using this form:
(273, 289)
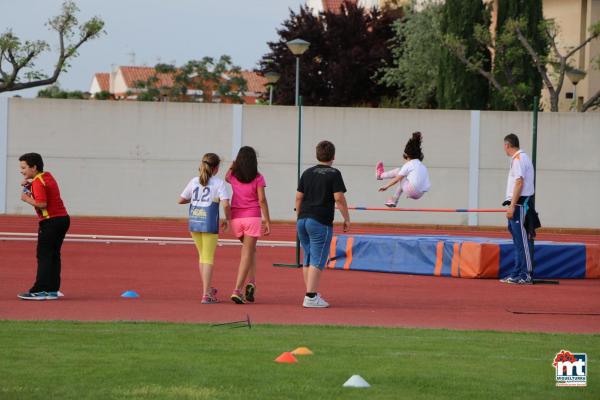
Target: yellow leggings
(206, 243)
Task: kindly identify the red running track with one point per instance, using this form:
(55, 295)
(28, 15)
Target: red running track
(95, 274)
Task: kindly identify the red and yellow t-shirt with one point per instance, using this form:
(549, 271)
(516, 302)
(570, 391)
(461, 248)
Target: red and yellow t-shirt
(45, 190)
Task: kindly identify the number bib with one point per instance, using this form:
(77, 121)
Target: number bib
(204, 219)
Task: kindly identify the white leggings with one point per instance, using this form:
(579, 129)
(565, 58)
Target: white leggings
(404, 187)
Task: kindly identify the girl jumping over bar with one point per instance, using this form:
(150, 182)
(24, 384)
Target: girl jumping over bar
(413, 176)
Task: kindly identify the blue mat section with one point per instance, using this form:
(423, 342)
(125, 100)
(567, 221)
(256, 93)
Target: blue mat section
(551, 260)
(419, 255)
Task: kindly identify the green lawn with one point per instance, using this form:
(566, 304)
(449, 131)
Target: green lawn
(72, 360)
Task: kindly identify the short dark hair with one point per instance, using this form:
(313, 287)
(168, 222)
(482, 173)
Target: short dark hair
(512, 140)
(325, 151)
(33, 159)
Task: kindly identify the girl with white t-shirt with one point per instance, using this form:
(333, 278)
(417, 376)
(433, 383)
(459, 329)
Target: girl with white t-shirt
(413, 176)
(204, 193)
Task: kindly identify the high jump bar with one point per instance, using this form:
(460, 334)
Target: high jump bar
(457, 210)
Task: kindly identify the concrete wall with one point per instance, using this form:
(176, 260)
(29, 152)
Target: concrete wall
(133, 159)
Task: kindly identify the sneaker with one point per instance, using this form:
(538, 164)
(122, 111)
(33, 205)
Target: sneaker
(60, 294)
(510, 280)
(33, 296)
(208, 299)
(315, 302)
(250, 289)
(391, 202)
(237, 297)
(525, 281)
(212, 291)
(52, 295)
(379, 170)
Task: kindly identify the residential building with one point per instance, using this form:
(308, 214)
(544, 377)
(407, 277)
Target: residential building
(121, 83)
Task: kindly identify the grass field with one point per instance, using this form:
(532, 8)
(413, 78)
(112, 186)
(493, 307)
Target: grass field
(71, 360)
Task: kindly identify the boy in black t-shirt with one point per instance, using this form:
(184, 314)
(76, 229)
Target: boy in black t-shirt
(319, 189)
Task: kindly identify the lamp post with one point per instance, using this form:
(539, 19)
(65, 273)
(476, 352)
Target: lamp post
(272, 78)
(575, 75)
(297, 47)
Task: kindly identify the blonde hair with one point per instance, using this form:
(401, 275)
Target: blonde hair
(208, 166)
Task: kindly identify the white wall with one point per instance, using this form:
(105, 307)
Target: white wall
(133, 159)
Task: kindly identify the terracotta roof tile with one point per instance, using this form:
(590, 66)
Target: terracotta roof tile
(134, 74)
(335, 5)
(103, 79)
(256, 83)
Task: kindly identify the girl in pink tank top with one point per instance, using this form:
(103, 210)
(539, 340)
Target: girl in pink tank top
(249, 210)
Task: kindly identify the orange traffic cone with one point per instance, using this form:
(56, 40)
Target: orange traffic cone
(286, 357)
(302, 351)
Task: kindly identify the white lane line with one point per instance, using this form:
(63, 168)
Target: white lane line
(17, 236)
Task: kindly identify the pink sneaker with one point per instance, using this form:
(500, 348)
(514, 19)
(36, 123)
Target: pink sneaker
(392, 202)
(208, 299)
(379, 170)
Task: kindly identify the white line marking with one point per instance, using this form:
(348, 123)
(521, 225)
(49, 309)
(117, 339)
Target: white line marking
(18, 236)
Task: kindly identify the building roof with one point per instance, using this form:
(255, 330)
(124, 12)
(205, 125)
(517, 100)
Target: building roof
(335, 6)
(103, 79)
(131, 75)
(256, 83)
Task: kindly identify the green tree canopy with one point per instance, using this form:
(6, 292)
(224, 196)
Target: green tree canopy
(512, 65)
(415, 50)
(55, 92)
(207, 80)
(17, 58)
(457, 86)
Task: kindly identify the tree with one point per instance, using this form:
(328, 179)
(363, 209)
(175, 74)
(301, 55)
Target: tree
(558, 59)
(512, 65)
(339, 69)
(206, 80)
(102, 95)
(55, 92)
(594, 100)
(415, 51)
(458, 87)
(518, 92)
(309, 27)
(17, 58)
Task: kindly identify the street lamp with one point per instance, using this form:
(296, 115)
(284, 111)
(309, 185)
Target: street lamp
(575, 75)
(272, 78)
(298, 47)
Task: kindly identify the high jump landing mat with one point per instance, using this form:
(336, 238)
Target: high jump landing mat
(457, 256)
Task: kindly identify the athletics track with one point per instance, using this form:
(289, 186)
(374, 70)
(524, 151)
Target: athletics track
(163, 271)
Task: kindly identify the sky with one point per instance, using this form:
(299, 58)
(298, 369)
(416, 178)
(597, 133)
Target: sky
(168, 31)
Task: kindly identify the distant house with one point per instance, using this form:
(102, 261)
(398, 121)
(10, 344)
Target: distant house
(121, 83)
(335, 6)
(100, 83)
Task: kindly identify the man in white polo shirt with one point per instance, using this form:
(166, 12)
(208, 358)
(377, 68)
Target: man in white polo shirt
(519, 198)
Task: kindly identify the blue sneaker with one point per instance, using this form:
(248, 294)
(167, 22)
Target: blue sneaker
(510, 280)
(52, 295)
(33, 296)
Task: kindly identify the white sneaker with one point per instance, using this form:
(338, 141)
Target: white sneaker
(315, 302)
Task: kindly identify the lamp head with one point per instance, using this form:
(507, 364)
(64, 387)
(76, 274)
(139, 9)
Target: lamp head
(575, 75)
(272, 77)
(298, 46)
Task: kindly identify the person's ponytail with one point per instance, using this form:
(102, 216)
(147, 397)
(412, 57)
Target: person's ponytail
(210, 162)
